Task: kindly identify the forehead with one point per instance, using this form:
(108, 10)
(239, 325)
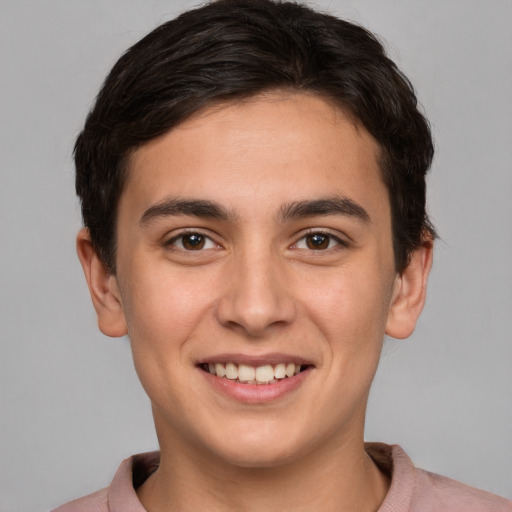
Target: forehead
(274, 147)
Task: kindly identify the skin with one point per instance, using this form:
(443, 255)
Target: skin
(257, 287)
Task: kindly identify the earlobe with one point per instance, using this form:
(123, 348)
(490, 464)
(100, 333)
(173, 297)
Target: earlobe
(102, 287)
(410, 292)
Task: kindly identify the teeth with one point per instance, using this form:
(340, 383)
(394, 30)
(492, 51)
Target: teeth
(266, 374)
(231, 371)
(220, 370)
(246, 373)
(290, 370)
(280, 371)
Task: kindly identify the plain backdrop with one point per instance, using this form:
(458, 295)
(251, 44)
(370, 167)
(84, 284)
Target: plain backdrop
(71, 407)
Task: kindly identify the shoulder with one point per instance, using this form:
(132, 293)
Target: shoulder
(121, 494)
(442, 493)
(414, 489)
(96, 502)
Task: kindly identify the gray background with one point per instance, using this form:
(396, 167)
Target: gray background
(70, 404)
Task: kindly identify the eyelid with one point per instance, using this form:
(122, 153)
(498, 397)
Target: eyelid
(170, 241)
(341, 240)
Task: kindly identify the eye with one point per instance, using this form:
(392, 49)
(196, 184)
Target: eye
(318, 241)
(192, 242)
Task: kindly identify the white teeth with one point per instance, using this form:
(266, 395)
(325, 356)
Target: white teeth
(290, 370)
(246, 373)
(265, 374)
(220, 370)
(231, 371)
(280, 371)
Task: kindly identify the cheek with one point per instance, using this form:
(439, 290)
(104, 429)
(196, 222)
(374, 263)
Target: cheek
(162, 314)
(350, 309)
(352, 298)
(163, 309)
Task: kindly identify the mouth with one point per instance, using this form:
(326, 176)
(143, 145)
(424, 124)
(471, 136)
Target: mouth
(266, 374)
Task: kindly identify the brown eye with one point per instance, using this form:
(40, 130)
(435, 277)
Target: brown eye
(318, 241)
(193, 241)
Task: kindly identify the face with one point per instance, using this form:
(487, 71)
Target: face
(255, 278)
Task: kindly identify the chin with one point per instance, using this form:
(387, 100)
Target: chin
(260, 459)
(253, 449)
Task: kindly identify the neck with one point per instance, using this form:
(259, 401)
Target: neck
(340, 478)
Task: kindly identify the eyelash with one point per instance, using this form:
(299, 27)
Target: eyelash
(339, 241)
(207, 240)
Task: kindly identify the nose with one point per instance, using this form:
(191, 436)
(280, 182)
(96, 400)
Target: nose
(258, 298)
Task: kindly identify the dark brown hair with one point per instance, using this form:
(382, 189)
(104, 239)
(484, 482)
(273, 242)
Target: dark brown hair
(233, 49)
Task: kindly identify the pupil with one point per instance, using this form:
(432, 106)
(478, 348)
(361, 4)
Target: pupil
(318, 241)
(193, 241)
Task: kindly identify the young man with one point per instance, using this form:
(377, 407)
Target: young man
(252, 179)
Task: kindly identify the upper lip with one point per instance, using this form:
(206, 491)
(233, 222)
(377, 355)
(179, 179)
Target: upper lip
(255, 360)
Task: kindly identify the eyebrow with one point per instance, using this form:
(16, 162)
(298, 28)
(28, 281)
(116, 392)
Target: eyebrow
(328, 206)
(297, 209)
(195, 207)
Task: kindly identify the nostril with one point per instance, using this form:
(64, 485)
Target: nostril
(255, 303)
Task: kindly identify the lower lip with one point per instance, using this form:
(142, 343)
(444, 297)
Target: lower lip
(256, 393)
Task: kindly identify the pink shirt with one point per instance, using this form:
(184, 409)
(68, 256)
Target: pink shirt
(412, 489)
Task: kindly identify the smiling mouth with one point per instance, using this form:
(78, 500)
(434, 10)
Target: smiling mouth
(245, 374)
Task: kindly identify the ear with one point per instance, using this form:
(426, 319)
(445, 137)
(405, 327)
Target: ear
(410, 292)
(102, 287)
